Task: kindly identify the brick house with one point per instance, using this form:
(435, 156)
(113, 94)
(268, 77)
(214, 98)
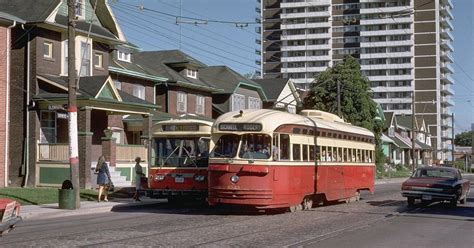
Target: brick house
(7, 22)
(38, 151)
(237, 92)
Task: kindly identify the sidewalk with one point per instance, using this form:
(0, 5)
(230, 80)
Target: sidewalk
(46, 211)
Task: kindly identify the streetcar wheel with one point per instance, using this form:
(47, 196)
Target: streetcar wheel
(357, 197)
(307, 203)
(293, 209)
(411, 201)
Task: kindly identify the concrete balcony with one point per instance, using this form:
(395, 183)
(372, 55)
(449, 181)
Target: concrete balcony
(391, 89)
(386, 43)
(447, 146)
(447, 101)
(447, 89)
(294, 70)
(386, 66)
(447, 56)
(447, 67)
(306, 3)
(448, 3)
(447, 134)
(447, 79)
(446, 112)
(387, 21)
(385, 55)
(391, 78)
(384, 10)
(446, 34)
(446, 11)
(306, 25)
(386, 32)
(305, 15)
(447, 46)
(446, 23)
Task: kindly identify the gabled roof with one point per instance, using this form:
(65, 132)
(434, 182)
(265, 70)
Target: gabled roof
(389, 118)
(161, 64)
(29, 10)
(89, 88)
(228, 80)
(272, 87)
(46, 11)
(404, 121)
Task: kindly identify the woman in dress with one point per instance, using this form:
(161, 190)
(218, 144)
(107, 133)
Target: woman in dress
(138, 178)
(103, 177)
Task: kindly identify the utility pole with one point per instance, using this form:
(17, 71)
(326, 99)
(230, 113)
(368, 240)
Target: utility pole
(413, 132)
(339, 99)
(72, 108)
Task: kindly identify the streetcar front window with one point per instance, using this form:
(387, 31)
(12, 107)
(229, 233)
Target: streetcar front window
(226, 146)
(182, 152)
(255, 146)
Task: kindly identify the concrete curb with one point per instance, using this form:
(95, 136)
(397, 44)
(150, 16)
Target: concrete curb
(47, 211)
(390, 180)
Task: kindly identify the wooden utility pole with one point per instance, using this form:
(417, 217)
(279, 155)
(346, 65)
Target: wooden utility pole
(413, 132)
(72, 108)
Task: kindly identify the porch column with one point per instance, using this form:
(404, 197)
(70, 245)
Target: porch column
(109, 149)
(146, 137)
(85, 144)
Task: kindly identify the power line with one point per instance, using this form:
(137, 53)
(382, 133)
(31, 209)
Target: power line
(188, 44)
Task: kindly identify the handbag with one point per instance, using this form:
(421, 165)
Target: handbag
(110, 186)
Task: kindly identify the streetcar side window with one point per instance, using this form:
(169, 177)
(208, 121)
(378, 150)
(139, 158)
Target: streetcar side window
(339, 154)
(285, 146)
(344, 151)
(311, 153)
(226, 146)
(305, 152)
(296, 152)
(255, 146)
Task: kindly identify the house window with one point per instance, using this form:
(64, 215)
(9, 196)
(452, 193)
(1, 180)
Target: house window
(118, 84)
(181, 105)
(200, 103)
(48, 127)
(254, 103)
(238, 102)
(65, 56)
(80, 8)
(139, 91)
(191, 73)
(48, 50)
(98, 60)
(123, 56)
(85, 59)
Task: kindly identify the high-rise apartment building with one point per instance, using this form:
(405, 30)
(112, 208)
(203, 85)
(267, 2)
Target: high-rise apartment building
(403, 46)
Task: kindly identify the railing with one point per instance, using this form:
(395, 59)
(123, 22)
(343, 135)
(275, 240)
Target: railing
(53, 152)
(130, 152)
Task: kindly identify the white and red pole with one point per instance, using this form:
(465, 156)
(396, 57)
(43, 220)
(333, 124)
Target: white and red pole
(72, 107)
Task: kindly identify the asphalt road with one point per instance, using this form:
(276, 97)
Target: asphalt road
(379, 220)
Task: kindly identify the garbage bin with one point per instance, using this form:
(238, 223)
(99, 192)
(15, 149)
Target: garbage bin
(67, 196)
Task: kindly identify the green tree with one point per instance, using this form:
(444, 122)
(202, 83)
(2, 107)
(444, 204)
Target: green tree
(464, 138)
(357, 106)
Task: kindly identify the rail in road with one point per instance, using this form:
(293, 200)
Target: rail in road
(197, 225)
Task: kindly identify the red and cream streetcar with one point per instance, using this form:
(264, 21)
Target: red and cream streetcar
(180, 152)
(270, 159)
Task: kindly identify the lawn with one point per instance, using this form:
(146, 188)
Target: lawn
(403, 172)
(36, 196)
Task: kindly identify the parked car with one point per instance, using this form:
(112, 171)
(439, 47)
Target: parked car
(430, 184)
(10, 215)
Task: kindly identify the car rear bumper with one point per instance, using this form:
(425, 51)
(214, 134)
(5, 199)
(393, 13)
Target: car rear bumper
(434, 196)
(9, 223)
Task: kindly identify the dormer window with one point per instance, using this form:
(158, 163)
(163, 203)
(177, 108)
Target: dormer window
(191, 73)
(80, 8)
(123, 56)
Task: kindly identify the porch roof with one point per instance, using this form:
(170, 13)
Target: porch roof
(424, 146)
(95, 91)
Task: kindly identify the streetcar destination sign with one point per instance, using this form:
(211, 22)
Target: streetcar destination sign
(180, 128)
(240, 127)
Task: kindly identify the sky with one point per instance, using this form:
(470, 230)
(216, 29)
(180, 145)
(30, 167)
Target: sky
(155, 28)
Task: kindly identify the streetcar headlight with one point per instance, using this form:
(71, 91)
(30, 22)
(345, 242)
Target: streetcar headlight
(234, 178)
(159, 177)
(199, 178)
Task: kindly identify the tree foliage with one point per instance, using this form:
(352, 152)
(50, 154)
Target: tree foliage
(357, 106)
(463, 139)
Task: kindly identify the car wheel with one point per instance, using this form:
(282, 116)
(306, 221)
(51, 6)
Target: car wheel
(411, 201)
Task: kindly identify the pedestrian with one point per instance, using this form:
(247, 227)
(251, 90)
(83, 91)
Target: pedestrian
(103, 178)
(138, 178)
